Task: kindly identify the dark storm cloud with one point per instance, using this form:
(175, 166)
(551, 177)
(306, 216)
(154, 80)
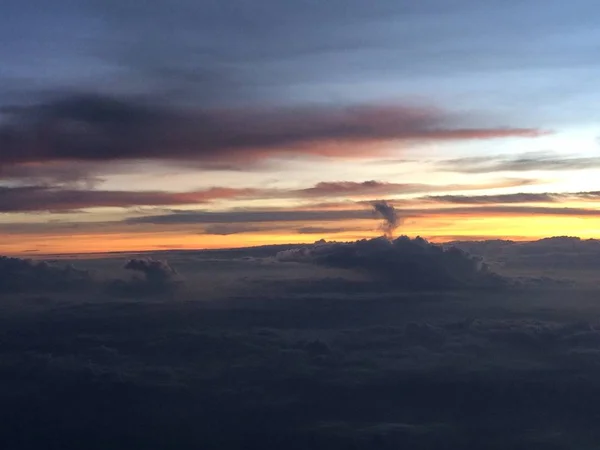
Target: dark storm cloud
(99, 128)
(527, 162)
(41, 198)
(403, 262)
(24, 275)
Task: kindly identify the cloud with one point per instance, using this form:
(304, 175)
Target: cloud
(225, 229)
(321, 215)
(319, 230)
(391, 219)
(245, 216)
(154, 271)
(375, 188)
(43, 198)
(98, 128)
(543, 161)
(158, 277)
(560, 252)
(402, 263)
(492, 199)
(65, 198)
(521, 197)
(25, 275)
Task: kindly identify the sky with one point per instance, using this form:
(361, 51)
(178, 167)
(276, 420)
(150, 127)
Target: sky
(128, 125)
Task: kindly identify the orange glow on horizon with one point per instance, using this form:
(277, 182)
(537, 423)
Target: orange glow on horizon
(434, 228)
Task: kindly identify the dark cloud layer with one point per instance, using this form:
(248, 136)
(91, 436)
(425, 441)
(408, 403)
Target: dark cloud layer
(99, 128)
(561, 252)
(320, 215)
(402, 263)
(24, 275)
(245, 216)
(22, 198)
(43, 198)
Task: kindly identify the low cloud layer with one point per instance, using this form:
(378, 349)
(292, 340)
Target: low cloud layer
(24, 275)
(560, 253)
(401, 263)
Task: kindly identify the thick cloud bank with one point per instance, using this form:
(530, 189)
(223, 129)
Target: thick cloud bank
(25, 275)
(560, 252)
(402, 262)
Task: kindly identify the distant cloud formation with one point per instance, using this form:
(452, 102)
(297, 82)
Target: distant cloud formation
(391, 219)
(561, 252)
(157, 277)
(43, 198)
(99, 128)
(522, 197)
(542, 161)
(376, 188)
(401, 263)
(24, 275)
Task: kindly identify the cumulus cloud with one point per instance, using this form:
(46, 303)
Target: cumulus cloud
(403, 262)
(25, 275)
(154, 271)
(157, 277)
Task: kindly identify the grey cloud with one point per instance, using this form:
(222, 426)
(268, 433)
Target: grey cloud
(241, 216)
(319, 230)
(223, 229)
(561, 252)
(25, 275)
(501, 198)
(308, 215)
(42, 198)
(542, 161)
(401, 263)
(158, 277)
(389, 214)
(97, 128)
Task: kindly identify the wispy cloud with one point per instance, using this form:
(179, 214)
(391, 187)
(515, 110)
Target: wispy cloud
(541, 161)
